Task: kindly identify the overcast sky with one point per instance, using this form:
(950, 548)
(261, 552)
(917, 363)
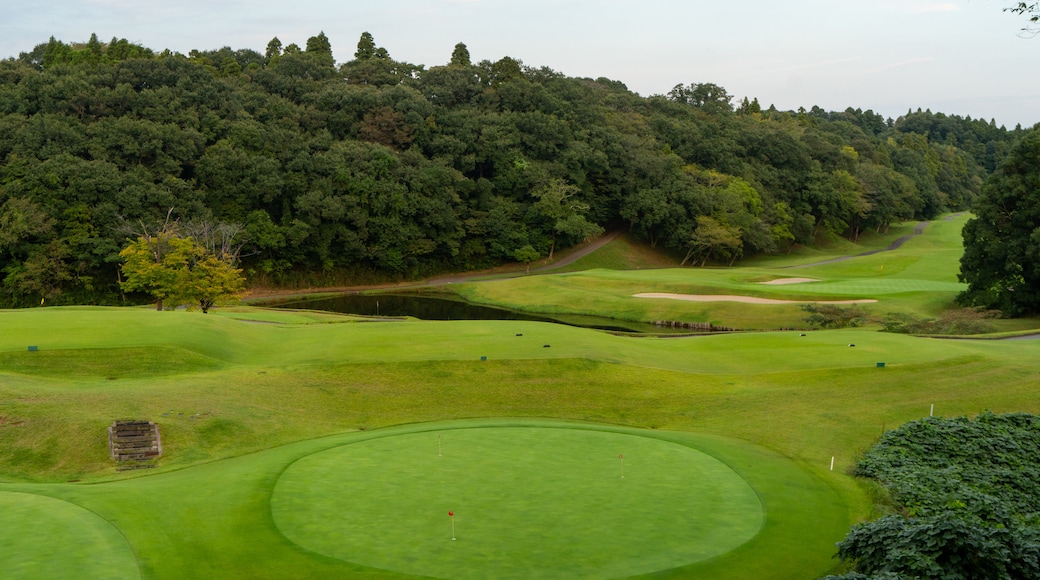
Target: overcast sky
(963, 57)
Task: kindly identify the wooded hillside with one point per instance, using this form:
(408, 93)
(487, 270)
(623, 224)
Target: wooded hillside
(380, 169)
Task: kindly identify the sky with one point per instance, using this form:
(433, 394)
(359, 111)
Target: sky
(958, 57)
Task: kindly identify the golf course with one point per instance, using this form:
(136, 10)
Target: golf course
(306, 444)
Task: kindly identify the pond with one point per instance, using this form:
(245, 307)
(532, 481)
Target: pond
(427, 307)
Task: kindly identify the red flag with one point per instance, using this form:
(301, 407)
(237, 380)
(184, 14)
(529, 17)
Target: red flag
(451, 514)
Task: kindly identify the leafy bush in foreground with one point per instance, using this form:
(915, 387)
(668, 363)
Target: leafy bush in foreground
(971, 497)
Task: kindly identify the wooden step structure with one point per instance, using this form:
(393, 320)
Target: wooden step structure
(134, 444)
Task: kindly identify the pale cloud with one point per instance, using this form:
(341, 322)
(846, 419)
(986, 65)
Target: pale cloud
(890, 66)
(820, 64)
(931, 8)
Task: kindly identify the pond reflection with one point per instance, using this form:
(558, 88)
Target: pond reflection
(443, 308)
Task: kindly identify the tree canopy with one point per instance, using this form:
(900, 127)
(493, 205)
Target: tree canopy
(378, 169)
(1001, 261)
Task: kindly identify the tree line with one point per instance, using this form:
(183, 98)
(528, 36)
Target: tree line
(381, 169)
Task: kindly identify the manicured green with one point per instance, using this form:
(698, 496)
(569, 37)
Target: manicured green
(528, 501)
(43, 537)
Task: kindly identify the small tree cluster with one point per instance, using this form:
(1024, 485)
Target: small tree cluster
(178, 270)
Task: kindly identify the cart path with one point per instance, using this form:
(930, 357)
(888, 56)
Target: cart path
(918, 230)
(567, 260)
(460, 278)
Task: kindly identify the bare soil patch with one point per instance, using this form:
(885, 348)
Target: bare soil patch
(744, 299)
(780, 281)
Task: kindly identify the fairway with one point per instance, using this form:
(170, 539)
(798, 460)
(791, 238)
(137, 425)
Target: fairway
(528, 502)
(42, 537)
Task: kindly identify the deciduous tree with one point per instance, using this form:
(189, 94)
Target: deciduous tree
(558, 201)
(712, 239)
(178, 270)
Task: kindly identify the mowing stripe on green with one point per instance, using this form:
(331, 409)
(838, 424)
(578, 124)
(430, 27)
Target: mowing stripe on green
(528, 502)
(43, 537)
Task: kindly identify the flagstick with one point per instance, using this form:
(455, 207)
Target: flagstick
(438, 445)
(622, 458)
(452, 515)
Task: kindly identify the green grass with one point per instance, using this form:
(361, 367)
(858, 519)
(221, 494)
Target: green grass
(528, 501)
(244, 395)
(43, 537)
(622, 253)
(920, 279)
(107, 363)
(216, 519)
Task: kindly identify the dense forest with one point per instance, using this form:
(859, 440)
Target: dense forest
(378, 169)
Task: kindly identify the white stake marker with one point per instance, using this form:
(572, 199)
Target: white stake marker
(832, 463)
(438, 445)
(931, 410)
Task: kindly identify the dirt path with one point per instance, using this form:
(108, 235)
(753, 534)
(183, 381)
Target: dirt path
(566, 260)
(460, 278)
(743, 299)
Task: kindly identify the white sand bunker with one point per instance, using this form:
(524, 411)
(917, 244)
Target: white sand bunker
(779, 281)
(744, 299)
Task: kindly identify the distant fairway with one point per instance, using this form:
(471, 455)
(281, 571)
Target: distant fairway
(42, 537)
(529, 502)
(919, 278)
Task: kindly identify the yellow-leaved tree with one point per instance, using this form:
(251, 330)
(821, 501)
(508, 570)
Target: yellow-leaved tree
(177, 270)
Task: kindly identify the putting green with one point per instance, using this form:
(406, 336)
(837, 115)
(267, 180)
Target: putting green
(43, 537)
(528, 502)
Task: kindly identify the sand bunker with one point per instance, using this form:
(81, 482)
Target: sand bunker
(744, 299)
(779, 281)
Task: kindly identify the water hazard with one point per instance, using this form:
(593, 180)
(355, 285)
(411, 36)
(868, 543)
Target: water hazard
(427, 307)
